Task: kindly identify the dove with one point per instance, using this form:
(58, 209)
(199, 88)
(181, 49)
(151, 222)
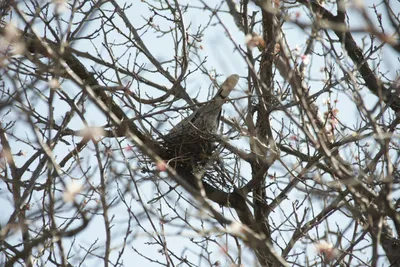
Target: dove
(192, 138)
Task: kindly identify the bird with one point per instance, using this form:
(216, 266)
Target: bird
(191, 140)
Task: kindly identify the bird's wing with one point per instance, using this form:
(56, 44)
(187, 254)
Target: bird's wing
(223, 92)
(183, 122)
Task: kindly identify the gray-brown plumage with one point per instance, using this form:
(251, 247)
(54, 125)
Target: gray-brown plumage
(191, 140)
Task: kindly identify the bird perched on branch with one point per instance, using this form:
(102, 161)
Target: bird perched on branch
(192, 138)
